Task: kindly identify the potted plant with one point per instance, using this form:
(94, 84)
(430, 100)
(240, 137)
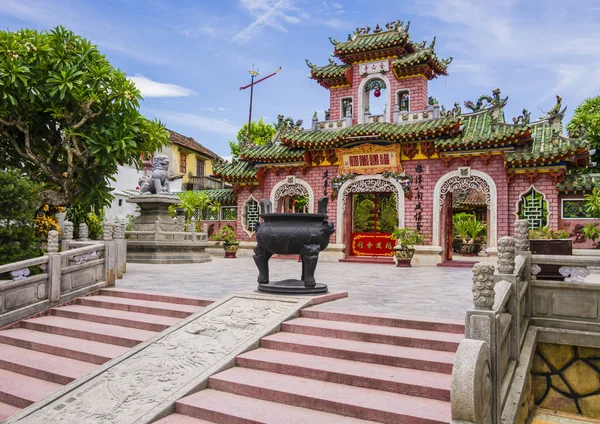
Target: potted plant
(550, 241)
(406, 239)
(230, 244)
(471, 231)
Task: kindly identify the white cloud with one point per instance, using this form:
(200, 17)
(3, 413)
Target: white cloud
(271, 14)
(216, 109)
(212, 125)
(150, 88)
(228, 158)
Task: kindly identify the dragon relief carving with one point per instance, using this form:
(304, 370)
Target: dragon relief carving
(132, 388)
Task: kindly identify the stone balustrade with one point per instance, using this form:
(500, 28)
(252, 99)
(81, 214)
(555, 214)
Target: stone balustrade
(332, 125)
(79, 268)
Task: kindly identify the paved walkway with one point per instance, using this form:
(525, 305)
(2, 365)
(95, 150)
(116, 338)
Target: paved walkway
(432, 291)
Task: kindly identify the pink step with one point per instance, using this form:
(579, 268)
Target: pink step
(158, 297)
(136, 305)
(399, 356)
(228, 408)
(116, 317)
(372, 376)
(55, 344)
(181, 419)
(386, 320)
(7, 410)
(324, 396)
(104, 333)
(21, 391)
(374, 334)
(56, 369)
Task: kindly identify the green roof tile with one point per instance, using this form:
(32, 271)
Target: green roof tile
(579, 183)
(374, 131)
(236, 171)
(271, 152)
(369, 42)
(222, 195)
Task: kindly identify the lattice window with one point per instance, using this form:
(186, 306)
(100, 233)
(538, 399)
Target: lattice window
(250, 215)
(229, 213)
(210, 214)
(534, 208)
(182, 162)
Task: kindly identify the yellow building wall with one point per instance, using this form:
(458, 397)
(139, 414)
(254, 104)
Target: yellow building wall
(190, 163)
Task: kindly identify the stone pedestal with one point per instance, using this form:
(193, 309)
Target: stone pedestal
(154, 247)
(154, 207)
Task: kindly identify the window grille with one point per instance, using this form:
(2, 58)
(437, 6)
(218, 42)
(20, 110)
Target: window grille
(534, 208)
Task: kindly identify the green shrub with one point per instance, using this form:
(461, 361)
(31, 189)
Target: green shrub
(547, 233)
(18, 203)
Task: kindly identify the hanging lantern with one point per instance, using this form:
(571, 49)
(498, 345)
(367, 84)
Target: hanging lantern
(377, 93)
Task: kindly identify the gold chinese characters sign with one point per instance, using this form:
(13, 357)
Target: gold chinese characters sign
(369, 159)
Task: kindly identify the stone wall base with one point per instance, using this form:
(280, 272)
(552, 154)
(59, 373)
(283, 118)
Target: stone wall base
(167, 252)
(427, 256)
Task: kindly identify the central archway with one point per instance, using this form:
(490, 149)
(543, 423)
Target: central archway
(363, 184)
(462, 179)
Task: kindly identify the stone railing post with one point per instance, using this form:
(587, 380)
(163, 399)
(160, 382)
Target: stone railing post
(367, 116)
(506, 255)
(121, 244)
(180, 216)
(315, 119)
(481, 322)
(110, 254)
(84, 234)
(436, 111)
(471, 388)
(522, 235)
(54, 267)
(67, 235)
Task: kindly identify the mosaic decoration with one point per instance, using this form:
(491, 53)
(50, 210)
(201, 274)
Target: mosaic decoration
(250, 216)
(567, 378)
(575, 208)
(534, 208)
(463, 183)
(289, 190)
(375, 84)
(369, 159)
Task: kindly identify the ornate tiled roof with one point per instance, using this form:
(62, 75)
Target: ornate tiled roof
(374, 131)
(332, 75)
(549, 146)
(272, 151)
(579, 183)
(422, 61)
(362, 44)
(481, 129)
(222, 195)
(236, 172)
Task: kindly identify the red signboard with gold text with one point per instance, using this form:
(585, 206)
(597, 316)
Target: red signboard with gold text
(372, 244)
(369, 159)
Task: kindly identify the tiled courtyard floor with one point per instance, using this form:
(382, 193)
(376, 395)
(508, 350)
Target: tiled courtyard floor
(431, 291)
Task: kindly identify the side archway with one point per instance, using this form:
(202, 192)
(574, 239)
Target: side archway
(366, 184)
(292, 187)
(474, 180)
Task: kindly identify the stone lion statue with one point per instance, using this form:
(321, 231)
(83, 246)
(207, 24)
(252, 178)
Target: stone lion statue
(156, 182)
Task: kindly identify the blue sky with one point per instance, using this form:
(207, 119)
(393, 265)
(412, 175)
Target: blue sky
(189, 58)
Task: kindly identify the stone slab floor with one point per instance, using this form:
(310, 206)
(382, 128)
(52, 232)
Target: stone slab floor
(372, 288)
(432, 291)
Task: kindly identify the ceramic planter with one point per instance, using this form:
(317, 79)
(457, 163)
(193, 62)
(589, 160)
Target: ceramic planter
(403, 256)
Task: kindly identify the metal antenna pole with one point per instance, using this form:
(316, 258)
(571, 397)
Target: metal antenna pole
(254, 74)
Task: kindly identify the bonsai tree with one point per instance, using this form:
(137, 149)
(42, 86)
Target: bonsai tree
(467, 227)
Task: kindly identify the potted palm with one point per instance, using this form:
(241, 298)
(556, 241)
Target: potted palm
(471, 233)
(226, 235)
(406, 239)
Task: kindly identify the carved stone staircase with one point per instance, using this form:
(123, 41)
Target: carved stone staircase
(40, 355)
(334, 367)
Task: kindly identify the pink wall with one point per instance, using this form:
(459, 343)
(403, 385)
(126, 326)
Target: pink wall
(545, 184)
(416, 85)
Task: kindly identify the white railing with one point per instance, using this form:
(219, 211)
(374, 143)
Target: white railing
(332, 125)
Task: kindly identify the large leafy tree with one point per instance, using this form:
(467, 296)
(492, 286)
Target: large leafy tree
(586, 118)
(68, 117)
(260, 135)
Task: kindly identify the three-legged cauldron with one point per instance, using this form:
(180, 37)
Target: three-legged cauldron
(305, 234)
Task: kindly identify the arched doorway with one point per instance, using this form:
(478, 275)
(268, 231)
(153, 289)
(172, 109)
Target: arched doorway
(385, 192)
(463, 183)
(286, 194)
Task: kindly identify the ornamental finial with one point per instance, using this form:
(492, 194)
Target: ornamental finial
(522, 234)
(310, 64)
(52, 244)
(432, 42)
(334, 42)
(506, 255)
